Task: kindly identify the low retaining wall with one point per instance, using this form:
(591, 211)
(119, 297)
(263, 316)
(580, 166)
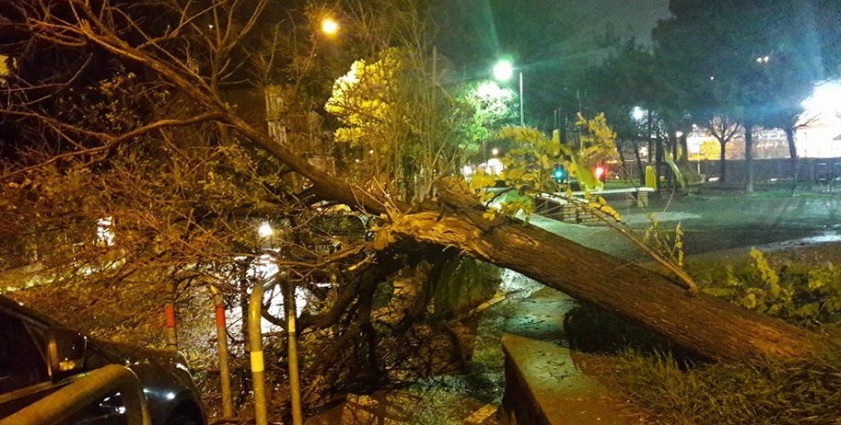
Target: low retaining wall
(544, 387)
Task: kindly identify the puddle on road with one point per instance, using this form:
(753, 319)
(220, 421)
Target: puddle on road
(825, 237)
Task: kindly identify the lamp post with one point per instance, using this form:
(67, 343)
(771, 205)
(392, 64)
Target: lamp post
(503, 71)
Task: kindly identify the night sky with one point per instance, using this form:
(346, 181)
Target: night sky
(550, 42)
(541, 34)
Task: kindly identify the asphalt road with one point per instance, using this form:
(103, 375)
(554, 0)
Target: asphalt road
(717, 221)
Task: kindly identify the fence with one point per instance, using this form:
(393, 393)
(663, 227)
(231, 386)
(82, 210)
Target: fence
(818, 170)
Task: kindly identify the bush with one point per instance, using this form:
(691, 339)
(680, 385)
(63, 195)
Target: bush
(799, 293)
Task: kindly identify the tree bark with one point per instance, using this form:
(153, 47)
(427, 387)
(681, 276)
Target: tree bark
(640, 167)
(792, 151)
(705, 325)
(749, 157)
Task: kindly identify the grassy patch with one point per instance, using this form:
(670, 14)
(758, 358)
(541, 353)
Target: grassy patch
(729, 393)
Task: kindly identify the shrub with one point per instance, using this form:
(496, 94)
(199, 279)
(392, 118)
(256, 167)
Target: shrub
(801, 294)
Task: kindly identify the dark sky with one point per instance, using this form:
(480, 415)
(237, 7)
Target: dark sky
(549, 41)
(541, 34)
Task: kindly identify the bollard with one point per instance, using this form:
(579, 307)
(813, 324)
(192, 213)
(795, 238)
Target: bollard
(288, 289)
(255, 343)
(169, 319)
(224, 368)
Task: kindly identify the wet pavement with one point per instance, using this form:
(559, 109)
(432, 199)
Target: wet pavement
(715, 222)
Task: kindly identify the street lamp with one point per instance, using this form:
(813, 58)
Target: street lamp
(503, 71)
(329, 26)
(638, 113)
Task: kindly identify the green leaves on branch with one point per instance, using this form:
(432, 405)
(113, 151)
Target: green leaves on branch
(528, 173)
(798, 293)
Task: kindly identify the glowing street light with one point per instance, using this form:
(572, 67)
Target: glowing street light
(638, 113)
(329, 26)
(503, 71)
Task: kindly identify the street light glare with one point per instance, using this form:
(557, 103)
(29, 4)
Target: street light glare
(329, 26)
(638, 113)
(503, 70)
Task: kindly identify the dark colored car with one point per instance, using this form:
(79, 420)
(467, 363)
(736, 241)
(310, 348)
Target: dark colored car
(39, 356)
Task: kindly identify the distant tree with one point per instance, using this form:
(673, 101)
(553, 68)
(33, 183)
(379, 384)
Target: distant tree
(618, 87)
(723, 130)
(484, 108)
(751, 63)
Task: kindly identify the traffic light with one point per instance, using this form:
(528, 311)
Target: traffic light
(601, 173)
(560, 173)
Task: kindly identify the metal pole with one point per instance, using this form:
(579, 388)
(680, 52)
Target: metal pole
(522, 118)
(291, 335)
(224, 368)
(255, 343)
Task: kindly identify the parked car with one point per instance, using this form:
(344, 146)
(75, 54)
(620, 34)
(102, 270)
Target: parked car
(39, 356)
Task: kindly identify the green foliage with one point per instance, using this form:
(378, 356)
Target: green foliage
(397, 124)
(464, 284)
(365, 101)
(530, 162)
(800, 294)
(670, 247)
(481, 110)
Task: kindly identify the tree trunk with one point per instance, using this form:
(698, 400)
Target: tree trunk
(749, 157)
(640, 167)
(722, 161)
(792, 151)
(705, 325)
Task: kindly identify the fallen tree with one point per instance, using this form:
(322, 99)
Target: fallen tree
(454, 220)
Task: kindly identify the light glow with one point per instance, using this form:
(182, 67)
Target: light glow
(503, 70)
(825, 99)
(105, 231)
(265, 230)
(638, 113)
(329, 26)
(493, 166)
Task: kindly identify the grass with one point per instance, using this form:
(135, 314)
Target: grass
(730, 393)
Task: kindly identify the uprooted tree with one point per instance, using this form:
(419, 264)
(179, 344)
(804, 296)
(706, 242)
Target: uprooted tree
(186, 172)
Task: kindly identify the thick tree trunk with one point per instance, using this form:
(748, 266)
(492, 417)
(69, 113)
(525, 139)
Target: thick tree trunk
(722, 161)
(705, 325)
